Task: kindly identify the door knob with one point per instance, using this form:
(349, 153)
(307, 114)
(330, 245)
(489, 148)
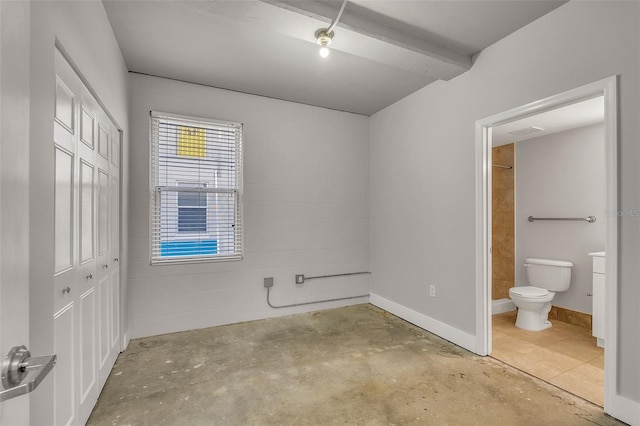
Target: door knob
(90, 276)
(116, 260)
(14, 368)
(21, 373)
(67, 289)
(105, 266)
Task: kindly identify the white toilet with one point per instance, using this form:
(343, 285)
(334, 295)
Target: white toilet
(546, 277)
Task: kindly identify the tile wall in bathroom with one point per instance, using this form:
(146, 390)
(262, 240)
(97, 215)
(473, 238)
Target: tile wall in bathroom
(571, 317)
(503, 230)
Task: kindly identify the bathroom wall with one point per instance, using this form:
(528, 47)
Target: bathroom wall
(423, 168)
(306, 182)
(562, 175)
(503, 231)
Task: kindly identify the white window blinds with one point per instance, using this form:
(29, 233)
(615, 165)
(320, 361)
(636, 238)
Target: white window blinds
(196, 189)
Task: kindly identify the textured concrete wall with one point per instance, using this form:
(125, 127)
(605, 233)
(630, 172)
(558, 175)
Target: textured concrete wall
(305, 211)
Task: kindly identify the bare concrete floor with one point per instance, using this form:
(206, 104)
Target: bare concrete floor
(357, 365)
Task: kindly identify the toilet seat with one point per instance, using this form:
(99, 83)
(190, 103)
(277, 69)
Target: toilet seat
(529, 292)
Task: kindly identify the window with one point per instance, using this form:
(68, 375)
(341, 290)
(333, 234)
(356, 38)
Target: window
(192, 210)
(196, 183)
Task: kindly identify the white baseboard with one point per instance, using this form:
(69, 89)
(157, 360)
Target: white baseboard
(624, 409)
(434, 326)
(500, 306)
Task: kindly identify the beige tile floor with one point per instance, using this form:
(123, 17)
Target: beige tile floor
(564, 355)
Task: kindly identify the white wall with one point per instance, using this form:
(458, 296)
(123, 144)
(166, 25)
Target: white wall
(14, 195)
(423, 156)
(305, 211)
(84, 31)
(562, 175)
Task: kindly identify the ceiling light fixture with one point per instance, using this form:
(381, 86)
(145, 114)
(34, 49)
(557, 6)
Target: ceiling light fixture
(324, 40)
(324, 36)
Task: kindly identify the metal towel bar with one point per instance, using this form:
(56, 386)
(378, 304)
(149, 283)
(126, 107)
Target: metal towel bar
(589, 219)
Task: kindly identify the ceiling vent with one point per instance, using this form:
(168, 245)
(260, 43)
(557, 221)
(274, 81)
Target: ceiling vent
(526, 131)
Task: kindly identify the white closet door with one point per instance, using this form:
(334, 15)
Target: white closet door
(103, 274)
(115, 262)
(87, 207)
(65, 265)
(86, 276)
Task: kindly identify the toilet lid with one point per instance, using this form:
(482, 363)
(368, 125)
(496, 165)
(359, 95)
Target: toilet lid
(529, 291)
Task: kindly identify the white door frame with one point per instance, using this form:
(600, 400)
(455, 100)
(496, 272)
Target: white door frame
(614, 404)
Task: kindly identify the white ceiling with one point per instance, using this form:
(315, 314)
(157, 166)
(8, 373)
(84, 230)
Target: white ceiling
(569, 117)
(381, 52)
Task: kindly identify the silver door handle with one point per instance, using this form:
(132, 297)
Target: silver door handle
(116, 260)
(105, 266)
(90, 276)
(21, 373)
(67, 289)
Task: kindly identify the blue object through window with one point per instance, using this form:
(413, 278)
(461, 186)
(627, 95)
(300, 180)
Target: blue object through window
(188, 247)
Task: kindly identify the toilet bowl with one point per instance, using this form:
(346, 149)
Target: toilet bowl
(534, 305)
(546, 277)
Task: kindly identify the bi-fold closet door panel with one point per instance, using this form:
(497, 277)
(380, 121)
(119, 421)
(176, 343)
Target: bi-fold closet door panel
(114, 239)
(87, 279)
(66, 290)
(86, 276)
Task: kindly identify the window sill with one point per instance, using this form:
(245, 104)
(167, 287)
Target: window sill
(186, 260)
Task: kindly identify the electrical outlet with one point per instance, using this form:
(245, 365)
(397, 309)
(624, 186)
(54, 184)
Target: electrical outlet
(432, 290)
(268, 282)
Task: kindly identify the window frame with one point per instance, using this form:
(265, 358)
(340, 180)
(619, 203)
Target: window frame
(156, 216)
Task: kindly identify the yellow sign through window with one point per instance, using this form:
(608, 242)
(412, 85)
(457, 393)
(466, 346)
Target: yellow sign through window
(191, 142)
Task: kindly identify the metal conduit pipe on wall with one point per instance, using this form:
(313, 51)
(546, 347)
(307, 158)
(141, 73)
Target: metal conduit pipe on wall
(268, 283)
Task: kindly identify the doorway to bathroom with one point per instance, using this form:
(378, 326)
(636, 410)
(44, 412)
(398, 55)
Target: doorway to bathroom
(544, 171)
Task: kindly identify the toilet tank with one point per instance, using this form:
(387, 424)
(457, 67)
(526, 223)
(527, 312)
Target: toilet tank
(553, 275)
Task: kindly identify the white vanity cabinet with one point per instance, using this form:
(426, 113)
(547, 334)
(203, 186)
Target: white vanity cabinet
(598, 297)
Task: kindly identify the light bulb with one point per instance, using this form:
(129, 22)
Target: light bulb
(324, 39)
